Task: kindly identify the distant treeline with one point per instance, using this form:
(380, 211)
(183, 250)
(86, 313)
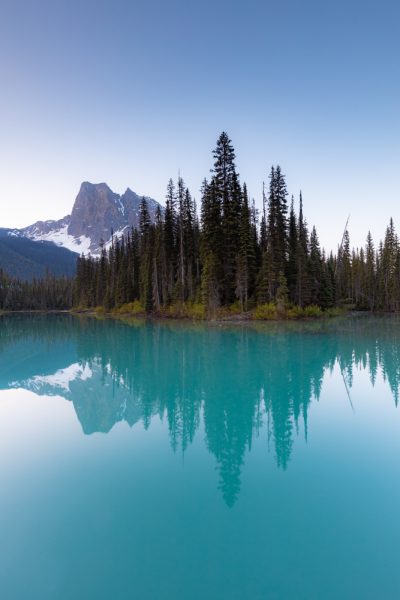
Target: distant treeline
(230, 256)
(49, 293)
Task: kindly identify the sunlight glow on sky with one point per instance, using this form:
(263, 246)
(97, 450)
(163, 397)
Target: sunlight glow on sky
(129, 92)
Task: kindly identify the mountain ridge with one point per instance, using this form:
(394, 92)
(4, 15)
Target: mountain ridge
(26, 259)
(96, 213)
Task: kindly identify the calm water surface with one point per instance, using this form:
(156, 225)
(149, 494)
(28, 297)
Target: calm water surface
(169, 461)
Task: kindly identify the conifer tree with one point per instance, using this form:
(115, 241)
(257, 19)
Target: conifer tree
(344, 283)
(211, 246)
(245, 254)
(263, 225)
(228, 194)
(277, 229)
(170, 235)
(302, 271)
(370, 273)
(315, 269)
(293, 251)
(146, 283)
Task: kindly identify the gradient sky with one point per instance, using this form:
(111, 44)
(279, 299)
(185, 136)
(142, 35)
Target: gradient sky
(128, 92)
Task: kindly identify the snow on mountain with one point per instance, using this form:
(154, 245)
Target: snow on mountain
(60, 237)
(97, 212)
(100, 399)
(57, 383)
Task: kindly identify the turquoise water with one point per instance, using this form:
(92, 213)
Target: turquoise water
(180, 461)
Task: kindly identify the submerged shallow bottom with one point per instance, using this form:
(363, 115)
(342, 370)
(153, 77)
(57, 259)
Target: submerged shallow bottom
(170, 461)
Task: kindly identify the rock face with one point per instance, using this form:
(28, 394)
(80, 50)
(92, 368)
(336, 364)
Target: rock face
(97, 212)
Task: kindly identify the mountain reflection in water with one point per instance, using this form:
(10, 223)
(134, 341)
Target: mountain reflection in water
(235, 379)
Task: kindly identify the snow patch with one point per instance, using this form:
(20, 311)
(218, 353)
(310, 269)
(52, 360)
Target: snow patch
(121, 207)
(60, 380)
(61, 237)
(117, 235)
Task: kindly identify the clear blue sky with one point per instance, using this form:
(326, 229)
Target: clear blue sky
(130, 92)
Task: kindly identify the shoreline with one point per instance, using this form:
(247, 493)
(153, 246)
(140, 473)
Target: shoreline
(246, 317)
(240, 318)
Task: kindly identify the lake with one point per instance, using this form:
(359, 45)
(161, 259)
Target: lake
(189, 461)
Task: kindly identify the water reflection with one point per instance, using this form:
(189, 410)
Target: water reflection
(234, 379)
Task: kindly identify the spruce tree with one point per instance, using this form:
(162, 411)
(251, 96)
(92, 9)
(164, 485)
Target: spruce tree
(277, 227)
(228, 194)
(370, 273)
(170, 235)
(293, 251)
(303, 291)
(146, 280)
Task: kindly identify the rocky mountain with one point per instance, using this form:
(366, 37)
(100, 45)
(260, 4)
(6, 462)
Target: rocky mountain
(88, 388)
(99, 400)
(96, 213)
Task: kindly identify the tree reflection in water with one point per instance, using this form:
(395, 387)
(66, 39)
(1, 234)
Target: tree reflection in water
(236, 379)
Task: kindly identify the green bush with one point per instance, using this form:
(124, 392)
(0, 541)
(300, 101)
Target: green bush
(130, 308)
(235, 308)
(266, 311)
(196, 311)
(190, 310)
(294, 312)
(312, 311)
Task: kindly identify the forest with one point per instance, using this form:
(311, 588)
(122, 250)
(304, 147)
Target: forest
(47, 293)
(227, 258)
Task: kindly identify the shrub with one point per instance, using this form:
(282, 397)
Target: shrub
(130, 308)
(196, 311)
(313, 312)
(294, 312)
(265, 312)
(235, 308)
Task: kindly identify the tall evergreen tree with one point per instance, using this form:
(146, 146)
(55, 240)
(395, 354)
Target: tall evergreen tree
(303, 291)
(245, 254)
(370, 273)
(228, 194)
(146, 284)
(293, 252)
(277, 227)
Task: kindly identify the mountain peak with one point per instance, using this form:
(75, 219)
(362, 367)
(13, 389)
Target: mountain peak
(96, 212)
(88, 185)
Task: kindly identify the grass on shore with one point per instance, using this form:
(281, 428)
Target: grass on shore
(196, 311)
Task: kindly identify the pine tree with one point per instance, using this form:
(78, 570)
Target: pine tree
(344, 282)
(228, 194)
(303, 291)
(245, 254)
(181, 226)
(211, 245)
(146, 283)
(277, 227)
(370, 274)
(170, 235)
(263, 225)
(315, 269)
(159, 263)
(293, 251)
